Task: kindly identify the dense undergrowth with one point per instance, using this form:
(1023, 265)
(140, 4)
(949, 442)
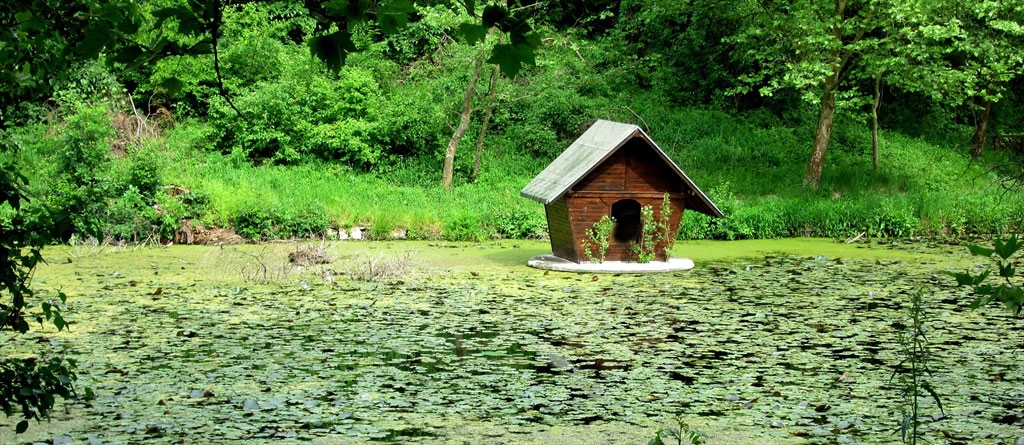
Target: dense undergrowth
(309, 152)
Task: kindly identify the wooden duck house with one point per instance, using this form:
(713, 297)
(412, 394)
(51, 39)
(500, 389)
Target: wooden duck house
(612, 169)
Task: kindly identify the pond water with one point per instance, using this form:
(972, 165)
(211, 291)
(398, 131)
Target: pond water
(764, 342)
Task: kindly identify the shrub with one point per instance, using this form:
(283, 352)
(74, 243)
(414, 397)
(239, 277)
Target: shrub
(144, 174)
(595, 245)
(695, 226)
(254, 222)
(129, 218)
(302, 116)
(465, 227)
(308, 221)
(518, 223)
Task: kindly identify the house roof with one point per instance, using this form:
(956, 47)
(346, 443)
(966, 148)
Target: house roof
(593, 147)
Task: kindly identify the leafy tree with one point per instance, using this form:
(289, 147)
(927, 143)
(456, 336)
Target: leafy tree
(43, 39)
(812, 47)
(959, 53)
(28, 386)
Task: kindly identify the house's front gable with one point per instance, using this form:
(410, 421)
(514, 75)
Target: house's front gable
(633, 168)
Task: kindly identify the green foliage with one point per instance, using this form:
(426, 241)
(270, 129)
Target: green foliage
(595, 245)
(85, 147)
(665, 237)
(545, 123)
(255, 59)
(254, 222)
(518, 223)
(305, 221)
(465, 226)
(144, 174)
(302, 116)
(644, 248)
(913, 372)
(420, 38)
(28, 385)
(1007, 291)
(410, 122)
(128, 217)
(89, 83)
(680, 432)
(32, 386)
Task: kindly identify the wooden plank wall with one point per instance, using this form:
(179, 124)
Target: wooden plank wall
(563, 244)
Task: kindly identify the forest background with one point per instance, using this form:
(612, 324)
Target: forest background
(160, 120)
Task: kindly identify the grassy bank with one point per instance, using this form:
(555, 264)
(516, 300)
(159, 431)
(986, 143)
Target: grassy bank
(750, 166)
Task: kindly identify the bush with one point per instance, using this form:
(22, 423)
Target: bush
(519, 223)
(307, 222)
(302, 116)
(465, 227)
(145, 175)
(254, 222)
(129, 218)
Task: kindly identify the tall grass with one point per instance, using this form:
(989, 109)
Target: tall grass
(383, 201)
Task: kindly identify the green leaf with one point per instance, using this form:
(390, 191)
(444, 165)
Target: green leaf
(966, 279)
(1006, 249)
(984, 290)
(333, 48)
(981, 301)
(128, 54)
(58, 321)
(22, 427)
(395, 15)
(657, 438)
(201, 48)
(980, 251)
(392, 23)
(472, 33)
(935, 396)
(1006, 270)
(510, 58)
(172, 86)
(347, 9)
(176, 12)
(29, 22)
(526, 55)
(494, 14)
(96, 38)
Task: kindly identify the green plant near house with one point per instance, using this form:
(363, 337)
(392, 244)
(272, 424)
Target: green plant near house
(654, 232)
(644, 247)
(666, 237)
(913, 372)
(595, 245)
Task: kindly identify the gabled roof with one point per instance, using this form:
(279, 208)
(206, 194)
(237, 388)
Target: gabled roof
(593, 147)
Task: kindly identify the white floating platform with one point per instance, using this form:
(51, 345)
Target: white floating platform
(551, 262)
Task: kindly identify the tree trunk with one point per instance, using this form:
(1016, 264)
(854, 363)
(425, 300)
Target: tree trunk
(980, 128)
(460, 131)
(823, 134)
(487, 120)
(874, 120)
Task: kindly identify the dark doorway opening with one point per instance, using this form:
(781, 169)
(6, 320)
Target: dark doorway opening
(627, 220)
